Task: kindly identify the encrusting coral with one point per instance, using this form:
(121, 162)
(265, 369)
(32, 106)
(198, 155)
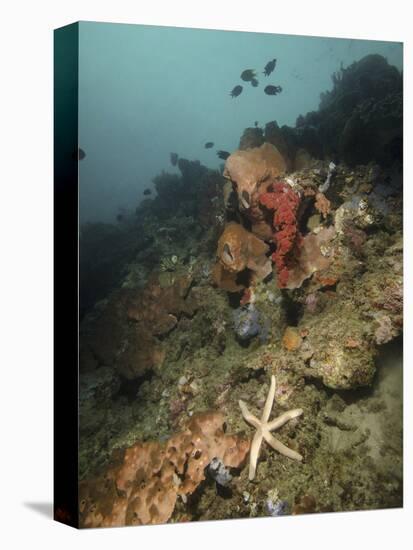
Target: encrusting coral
(143, 487)
(111, 339)
(108, 339)
(159, 308)
(315, 254)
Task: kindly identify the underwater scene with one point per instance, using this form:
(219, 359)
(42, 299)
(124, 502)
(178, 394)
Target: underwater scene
(241, 275)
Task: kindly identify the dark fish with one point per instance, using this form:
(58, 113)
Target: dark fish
(209, 144)
(254, 82)
(236, 91)
(119, 217)
(269, 67)
(147, 191)
(79, 154)
(223, 154)
(273, 90)
(256, 123)
(174, 158)
(248, 75)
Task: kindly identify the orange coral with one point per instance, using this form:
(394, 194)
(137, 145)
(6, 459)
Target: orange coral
(226, 279)
(238, 249)
(325, 281)
(143, 487)
(291, 339)
(251, 171)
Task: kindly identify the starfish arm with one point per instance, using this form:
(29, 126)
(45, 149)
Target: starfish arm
(254, 451)
(250, 418)
(269, 402)
(281, 420)
(280, 447)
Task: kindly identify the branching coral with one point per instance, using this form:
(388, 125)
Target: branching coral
(142, 488)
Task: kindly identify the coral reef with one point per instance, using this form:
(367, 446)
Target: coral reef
(108, 340)
(251, 172)
(159, 307)
(315, 254)
(238, 250)
(360, 119)
(195, 317)
(284, 202)
(251, 138)
(345, 304)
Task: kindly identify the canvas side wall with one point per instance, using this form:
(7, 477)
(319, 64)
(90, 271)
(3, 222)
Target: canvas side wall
(66, 63)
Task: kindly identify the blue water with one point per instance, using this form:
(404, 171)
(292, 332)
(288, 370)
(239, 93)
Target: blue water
(146, 91)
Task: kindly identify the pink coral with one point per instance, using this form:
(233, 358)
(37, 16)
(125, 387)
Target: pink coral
(283, 200)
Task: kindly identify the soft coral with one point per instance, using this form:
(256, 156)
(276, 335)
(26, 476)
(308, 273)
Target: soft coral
(284, 202)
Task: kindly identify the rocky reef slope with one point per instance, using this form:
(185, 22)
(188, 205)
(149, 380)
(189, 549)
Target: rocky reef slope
(288, 263)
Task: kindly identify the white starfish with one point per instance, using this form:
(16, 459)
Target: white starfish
(264, 428)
